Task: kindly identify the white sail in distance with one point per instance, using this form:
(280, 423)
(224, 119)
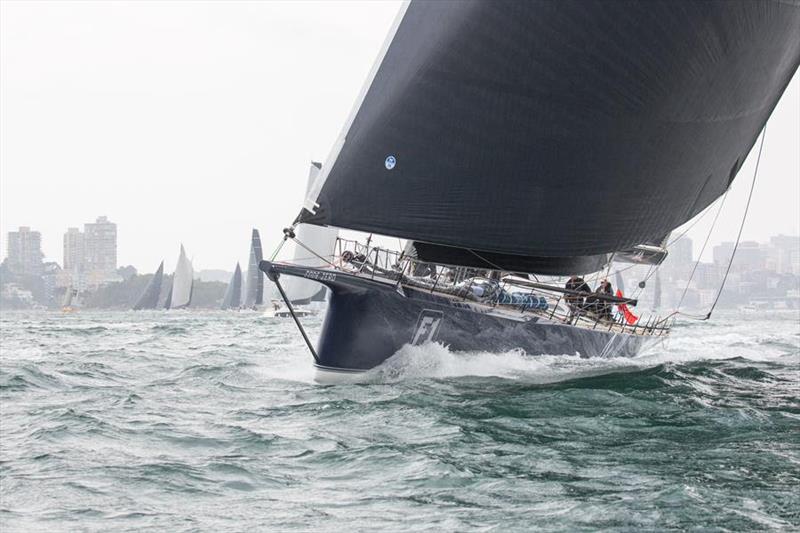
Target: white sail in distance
(182, 282)
(318, 241)
(69, 294)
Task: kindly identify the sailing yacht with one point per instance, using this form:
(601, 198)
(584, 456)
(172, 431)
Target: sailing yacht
(180, 294)
(233, 293)
(151, 293)
(70, 302)
(254, 285)
(509, 141)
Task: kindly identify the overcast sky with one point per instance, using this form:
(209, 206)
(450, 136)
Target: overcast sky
(194, 121)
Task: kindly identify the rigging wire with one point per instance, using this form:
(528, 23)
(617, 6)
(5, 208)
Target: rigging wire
(741, 226)
(735, 246)
(277, 250)
(697, 219)
(315, 254)
(703, 249)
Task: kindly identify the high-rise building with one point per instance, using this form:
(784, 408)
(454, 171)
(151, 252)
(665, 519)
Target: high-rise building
(783, 252)
(749, 257)
(722, 254)
(681, 252)
(73, 250)
(100, 251)
(25, 251)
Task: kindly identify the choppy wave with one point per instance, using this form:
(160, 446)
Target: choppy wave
(212, 421)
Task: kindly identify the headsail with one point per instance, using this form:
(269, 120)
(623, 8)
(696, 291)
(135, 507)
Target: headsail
(233, 294)
(149, 298)
(556, 131)
(254, 292)
(182, 283)
(316, 241)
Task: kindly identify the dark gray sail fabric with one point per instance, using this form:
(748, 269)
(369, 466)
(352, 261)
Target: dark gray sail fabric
(447, 255)
(149, 298)
(558, 129)
(254, 293)
(233, 294)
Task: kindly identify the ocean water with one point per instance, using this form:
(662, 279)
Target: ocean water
(210, 421)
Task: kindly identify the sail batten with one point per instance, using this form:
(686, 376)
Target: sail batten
(556, 129)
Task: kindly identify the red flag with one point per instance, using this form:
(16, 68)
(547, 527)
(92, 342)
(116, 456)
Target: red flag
(630, 318)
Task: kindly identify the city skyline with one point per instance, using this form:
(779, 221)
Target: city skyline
(763, 275)
(205, 129)
(682, 248)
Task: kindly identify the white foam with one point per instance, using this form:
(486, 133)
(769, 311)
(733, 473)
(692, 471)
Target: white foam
(760, 340)
(437, 361)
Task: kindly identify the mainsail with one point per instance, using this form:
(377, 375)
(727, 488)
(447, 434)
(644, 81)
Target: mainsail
(233, 294)
(553, 134)
(149, 298)
(254, 291)
(182, 283)
(316, 250)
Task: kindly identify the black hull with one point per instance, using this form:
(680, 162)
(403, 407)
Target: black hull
(369, 321)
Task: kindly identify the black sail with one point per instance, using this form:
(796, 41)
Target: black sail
(149, 298)
(254, 288)
(448, 255)
(561, 130)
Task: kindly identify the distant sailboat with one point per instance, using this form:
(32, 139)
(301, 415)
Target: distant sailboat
(322, 241)
(180, 294)
(69, 304)
(657, 292)
(168, 301)
(233, 294)
(149, 298)
(254, 291)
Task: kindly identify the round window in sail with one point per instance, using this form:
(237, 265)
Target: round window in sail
(390, 162)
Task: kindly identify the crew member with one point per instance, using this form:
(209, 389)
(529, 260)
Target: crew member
(576, 302)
